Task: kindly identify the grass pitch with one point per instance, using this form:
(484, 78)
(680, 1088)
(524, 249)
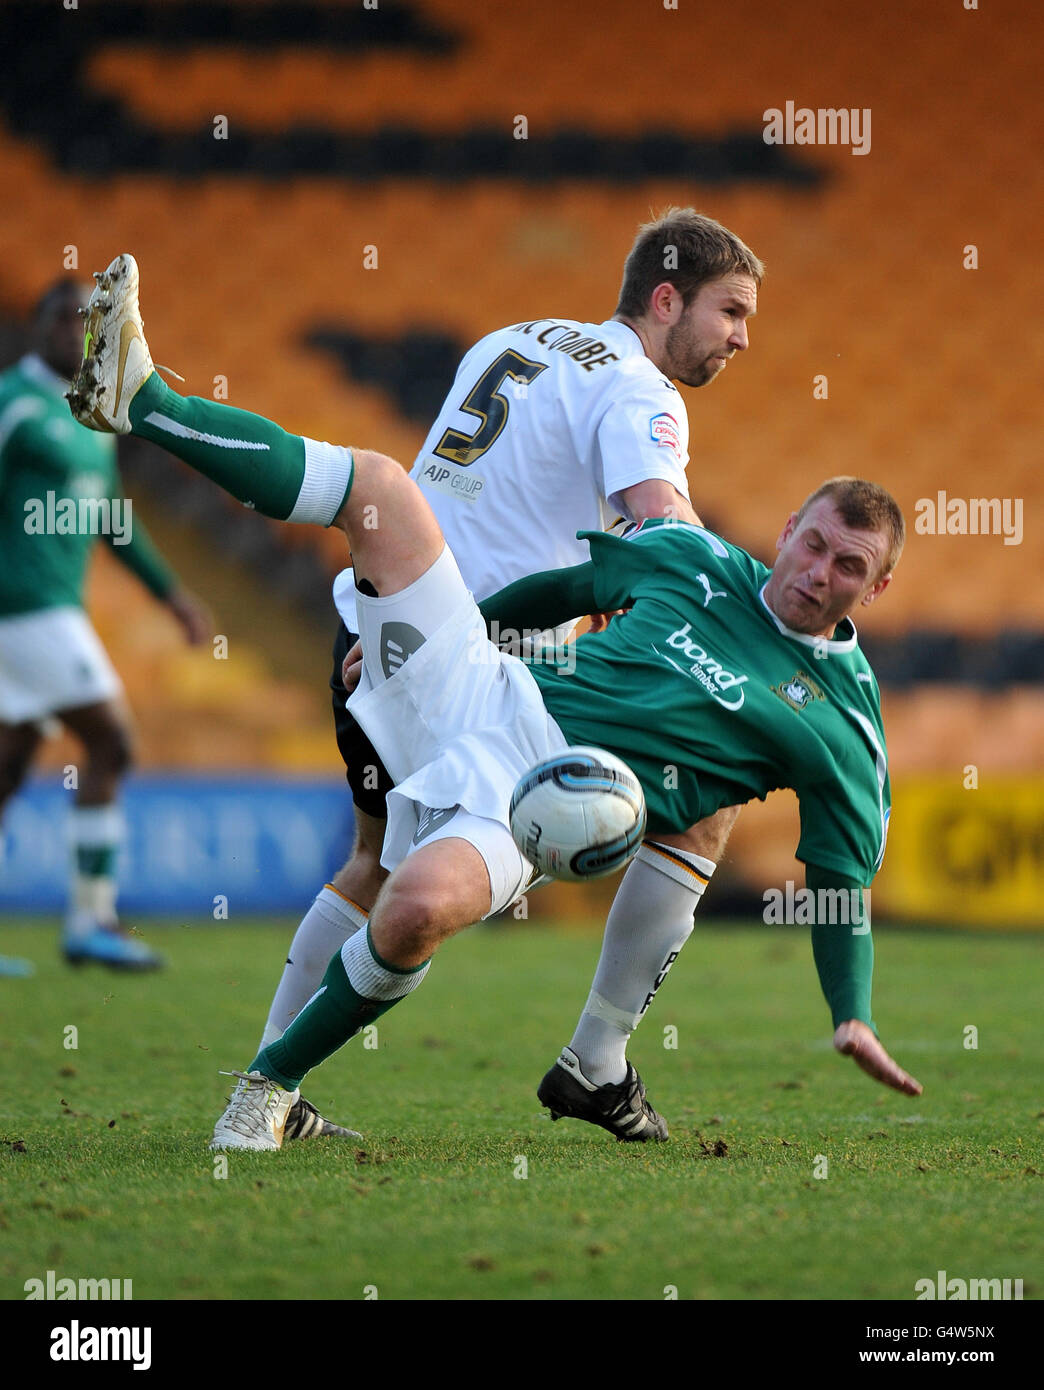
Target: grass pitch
(463, 1189)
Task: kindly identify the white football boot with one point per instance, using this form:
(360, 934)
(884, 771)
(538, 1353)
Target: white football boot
(116, 358)
(255, 1115)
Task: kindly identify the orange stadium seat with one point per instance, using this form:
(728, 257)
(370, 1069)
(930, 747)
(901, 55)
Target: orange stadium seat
(865, 282)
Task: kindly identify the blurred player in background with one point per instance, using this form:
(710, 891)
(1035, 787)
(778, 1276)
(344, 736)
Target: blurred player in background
(60, 490)
(551, 427)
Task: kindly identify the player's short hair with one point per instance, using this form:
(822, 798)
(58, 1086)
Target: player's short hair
(864, 506)
(687, 250)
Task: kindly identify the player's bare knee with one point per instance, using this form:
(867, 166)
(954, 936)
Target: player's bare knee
(408, 924)
(375, 478)
(112, 755)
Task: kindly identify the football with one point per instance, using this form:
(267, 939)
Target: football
(578, 815)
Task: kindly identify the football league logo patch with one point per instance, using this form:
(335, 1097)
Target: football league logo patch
(799, 691)
(664, 430)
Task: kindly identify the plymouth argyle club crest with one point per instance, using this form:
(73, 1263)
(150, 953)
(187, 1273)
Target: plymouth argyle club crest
(799, 691)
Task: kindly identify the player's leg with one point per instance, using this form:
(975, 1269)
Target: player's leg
(342, 906)
(394, 535)
(92, 931)
(441, 887)
(420, 693)
(650, 920)
(337, 912)
(18, 745)
(438, 889)
(53, 665)
(361, 877)
(330, 920)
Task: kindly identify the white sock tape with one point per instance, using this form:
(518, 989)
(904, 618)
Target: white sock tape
(620, 1019)
(328, 471)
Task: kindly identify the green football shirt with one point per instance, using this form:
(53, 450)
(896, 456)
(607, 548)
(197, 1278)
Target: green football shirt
(59, 491)
(712, 701)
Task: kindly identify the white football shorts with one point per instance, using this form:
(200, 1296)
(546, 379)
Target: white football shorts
(455, 721)
(52, 660)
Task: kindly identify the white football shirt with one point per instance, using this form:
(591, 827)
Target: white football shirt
(546, 423)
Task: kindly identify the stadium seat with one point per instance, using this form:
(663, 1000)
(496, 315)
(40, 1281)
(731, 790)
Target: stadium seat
(865, 279)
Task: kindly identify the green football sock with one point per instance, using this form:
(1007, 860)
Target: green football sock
(332, 1016)
(96, 862)
(250, 457)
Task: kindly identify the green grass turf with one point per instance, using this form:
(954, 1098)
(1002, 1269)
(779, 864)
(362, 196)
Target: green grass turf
(112, 1176)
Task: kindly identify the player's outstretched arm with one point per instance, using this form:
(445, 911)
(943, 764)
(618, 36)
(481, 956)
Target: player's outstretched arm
(192, 616)
(854, 1039)
(844, 954)
(541, 601)
(136, 549)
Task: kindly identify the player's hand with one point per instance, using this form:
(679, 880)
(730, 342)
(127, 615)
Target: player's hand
(855, 1039)
(351, 668)
(194, 618)
(600, 621)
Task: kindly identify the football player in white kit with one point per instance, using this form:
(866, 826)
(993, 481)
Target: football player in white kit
(551, 427)
(458, 721)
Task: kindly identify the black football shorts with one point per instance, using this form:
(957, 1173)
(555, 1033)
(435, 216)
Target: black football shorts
(367, 775)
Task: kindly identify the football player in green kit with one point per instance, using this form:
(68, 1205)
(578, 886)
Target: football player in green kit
(722, 681)
(60, 490)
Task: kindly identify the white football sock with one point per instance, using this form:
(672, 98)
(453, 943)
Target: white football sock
(325, 927)
(328, 471)
(649, 922)
(95, 833)
(373, 978)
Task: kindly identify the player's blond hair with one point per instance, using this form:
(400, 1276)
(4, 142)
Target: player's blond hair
(685, 249)
(864, 506)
